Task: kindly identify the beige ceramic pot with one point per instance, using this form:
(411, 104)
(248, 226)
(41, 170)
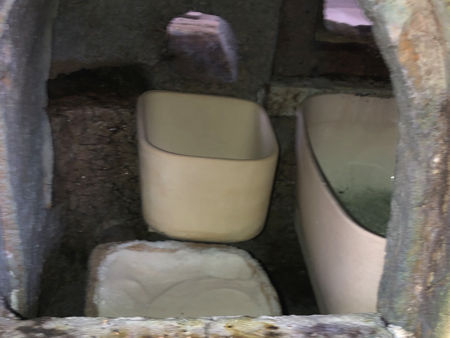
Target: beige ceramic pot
(345, 153)
(206, 165)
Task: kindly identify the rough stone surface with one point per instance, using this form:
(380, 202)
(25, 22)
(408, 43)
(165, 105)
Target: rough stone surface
(95, 33)
(415, 288)
(26, 227)
(96, 177)
(303, 49)
(290, 326)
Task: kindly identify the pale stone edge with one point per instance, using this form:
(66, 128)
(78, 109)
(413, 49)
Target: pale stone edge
(358, 325)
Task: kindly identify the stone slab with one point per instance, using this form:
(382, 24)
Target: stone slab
(26, 229)
(362, 325)
(204, 47)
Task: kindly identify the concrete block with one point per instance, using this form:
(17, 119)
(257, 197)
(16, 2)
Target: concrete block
(204, 46)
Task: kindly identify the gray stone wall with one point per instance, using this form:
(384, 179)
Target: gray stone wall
(25, 149)
(90, 34)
